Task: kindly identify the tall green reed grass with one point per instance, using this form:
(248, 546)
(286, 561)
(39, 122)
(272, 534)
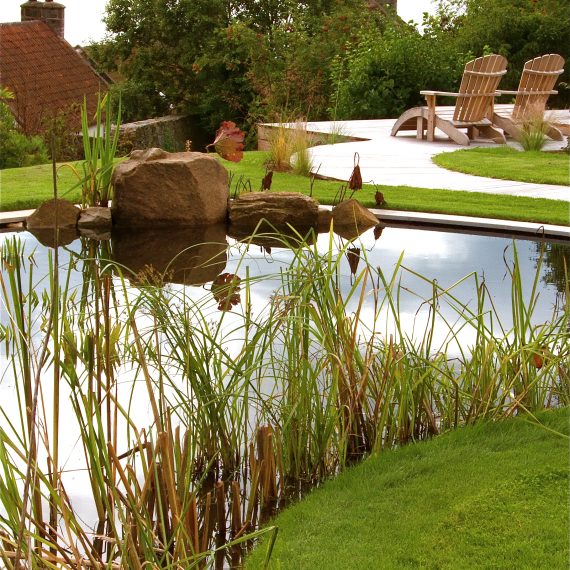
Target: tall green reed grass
(242, 407)
(100, 146)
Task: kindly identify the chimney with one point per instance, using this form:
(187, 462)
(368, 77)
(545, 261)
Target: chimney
(50, 12)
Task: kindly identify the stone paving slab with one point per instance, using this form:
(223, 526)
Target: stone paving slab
(474, 223)
(405, 161)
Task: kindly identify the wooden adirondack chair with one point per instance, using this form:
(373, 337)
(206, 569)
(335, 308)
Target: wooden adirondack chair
(536, 85)
(473, 109)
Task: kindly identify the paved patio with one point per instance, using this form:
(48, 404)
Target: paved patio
(405, 161)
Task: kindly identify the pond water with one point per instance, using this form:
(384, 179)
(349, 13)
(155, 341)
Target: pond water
(439, 256)
(451, 262)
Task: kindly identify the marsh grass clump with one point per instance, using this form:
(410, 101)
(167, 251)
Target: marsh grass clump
(197, 416)
(338, 133)
(533, 130)
(289, 148)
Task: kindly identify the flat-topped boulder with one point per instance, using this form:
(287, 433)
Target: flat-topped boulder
(155, 188)
(279, 209)
(95, 217)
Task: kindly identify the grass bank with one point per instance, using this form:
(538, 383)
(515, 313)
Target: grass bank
(23, 188)
(407, 197)
(494, 495)
(507, 163)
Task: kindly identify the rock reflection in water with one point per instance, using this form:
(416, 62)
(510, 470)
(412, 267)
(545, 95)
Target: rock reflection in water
(268, 239)
(47, 237)
(187, 256)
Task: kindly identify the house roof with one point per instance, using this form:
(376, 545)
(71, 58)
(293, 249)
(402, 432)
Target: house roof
(46, 75)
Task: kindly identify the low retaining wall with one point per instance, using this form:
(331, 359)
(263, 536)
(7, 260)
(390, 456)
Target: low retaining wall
(168, 133)
(265, 131)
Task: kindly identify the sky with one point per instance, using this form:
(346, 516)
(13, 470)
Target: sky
(83, 18)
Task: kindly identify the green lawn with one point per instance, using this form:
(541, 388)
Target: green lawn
(508, 163)
(22, 188)
(409, 198)
(489, 496)
(27, 187)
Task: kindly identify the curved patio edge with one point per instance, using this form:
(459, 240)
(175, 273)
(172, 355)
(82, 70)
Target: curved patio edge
(405, 161)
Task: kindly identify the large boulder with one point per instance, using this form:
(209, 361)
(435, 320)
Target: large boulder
(279, 209)
(351, 218)
(157, 188)
(62, 211)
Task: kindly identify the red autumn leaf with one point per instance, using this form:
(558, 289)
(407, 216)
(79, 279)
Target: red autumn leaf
(355, 181)
(378, 231)
(229, 142)
(537, 360)
(353, 256)
(266, 181)
(226, 291)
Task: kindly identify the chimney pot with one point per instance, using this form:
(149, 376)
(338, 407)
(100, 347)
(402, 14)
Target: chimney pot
(50, 12)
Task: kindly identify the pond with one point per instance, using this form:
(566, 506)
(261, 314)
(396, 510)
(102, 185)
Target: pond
(216, 386)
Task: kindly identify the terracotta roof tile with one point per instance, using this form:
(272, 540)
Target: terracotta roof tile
(45, 74)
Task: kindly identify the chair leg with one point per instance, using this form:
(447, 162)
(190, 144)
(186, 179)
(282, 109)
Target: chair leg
(420, 128)
(488, 132)
(430, 99)
(452, 132)
(554, 133)
(508, 126)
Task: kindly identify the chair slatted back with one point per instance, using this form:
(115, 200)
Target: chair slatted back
(537, 80)
(480, 81)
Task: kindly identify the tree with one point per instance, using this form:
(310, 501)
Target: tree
(251, 60)
(220, 59)
(518, 29)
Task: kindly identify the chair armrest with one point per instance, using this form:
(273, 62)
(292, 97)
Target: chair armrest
(503, 92)
(443, 93)
(447, 94)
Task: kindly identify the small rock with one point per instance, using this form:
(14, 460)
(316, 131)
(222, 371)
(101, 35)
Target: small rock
(97, 234)
(351, 218)
(325, 218)
(95, 217)
(45, 216)
(48, 237)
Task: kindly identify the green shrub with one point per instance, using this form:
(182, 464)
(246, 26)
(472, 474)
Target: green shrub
(533, 130)
(17, 149)
(384, 73)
